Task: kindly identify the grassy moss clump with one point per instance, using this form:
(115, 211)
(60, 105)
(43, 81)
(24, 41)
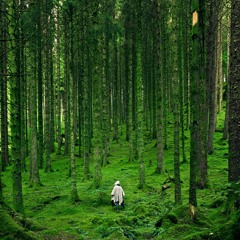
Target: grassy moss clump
(11, 230)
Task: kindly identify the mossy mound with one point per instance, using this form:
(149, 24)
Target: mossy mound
(10, 229)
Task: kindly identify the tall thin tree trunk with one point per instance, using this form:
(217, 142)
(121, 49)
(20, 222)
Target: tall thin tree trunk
(73, 119)
(160, 150)
(34, 164)
(59, 84)
(194, 130)
(211, 73)
(177, 86)
(40, 84)
(47, 85)
(226, 121)
(15, 95)
(3, 89)
(234, 93)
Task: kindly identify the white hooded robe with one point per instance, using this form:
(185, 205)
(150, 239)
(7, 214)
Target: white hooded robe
(117, 194)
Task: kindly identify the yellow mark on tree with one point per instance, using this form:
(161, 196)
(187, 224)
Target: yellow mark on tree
(194, 18)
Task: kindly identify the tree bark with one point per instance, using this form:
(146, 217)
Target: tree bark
(3, 89)
(15, 113)
(234, 93)
(160, 150)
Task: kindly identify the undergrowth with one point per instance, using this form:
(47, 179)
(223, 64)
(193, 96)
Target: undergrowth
(149, 213)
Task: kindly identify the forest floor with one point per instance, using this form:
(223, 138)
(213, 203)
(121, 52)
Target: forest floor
(149, 213)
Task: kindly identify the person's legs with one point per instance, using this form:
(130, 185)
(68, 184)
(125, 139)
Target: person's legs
(117, 203)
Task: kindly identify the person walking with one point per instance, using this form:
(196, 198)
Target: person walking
(118, 195)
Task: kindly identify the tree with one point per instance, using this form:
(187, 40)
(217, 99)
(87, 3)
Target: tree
(73, 107)
(234, 93)
(97, 108)
(194, 130)
(34, 160)
(59, 83)
(160, 150)
(48, 18)
(40, 83)
(3, 88)
(202, 165)
(177, 85)
(211, 74)
(15, 96)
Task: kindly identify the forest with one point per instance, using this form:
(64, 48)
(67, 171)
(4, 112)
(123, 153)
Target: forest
(145, 92)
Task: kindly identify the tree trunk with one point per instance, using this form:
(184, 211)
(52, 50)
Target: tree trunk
(234, 93)
(34, 164)
(97, 131)
(15, 113)
(3, 89)
(59, 86)
(47, 85)
(194, 129)
(177, 86)
(226, 121)
(160, 150)
(40, 84)
(211, 73)
(202, 173)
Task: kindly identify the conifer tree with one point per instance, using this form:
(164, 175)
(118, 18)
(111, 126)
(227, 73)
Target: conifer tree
(3, 88)
(15, 95)
(160, 150)
(234, 93)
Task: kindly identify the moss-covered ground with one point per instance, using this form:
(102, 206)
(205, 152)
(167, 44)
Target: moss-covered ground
(149, 213)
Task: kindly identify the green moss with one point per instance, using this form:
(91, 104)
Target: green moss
(148, 213)
(11, 230)
(117, 235)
